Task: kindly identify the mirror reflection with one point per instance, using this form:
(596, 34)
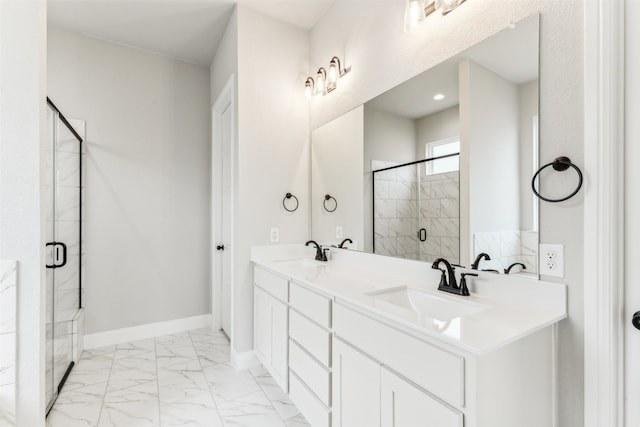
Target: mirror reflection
(440, 165)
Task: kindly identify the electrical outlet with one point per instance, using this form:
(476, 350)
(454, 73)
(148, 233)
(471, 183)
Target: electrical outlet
(338, 232)
(275, 235)
(551, 260)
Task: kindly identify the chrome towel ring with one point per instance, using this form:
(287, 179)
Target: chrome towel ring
(284, 202)
(328, 197)
(560, 164)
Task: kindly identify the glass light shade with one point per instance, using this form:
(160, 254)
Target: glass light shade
(320, 80)
(308, 87)
(446, 6)
(413, 14)
(333, 74)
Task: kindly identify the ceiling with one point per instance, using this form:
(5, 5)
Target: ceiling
(512, 53)
(190, 30)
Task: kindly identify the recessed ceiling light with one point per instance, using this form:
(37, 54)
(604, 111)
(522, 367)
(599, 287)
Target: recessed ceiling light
(438, 96)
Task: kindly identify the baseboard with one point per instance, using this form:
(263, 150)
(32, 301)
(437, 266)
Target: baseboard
(149, 330)
(244, 360)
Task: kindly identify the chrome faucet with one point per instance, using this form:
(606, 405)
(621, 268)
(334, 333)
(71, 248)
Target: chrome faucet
(480, 257)
(320, 254)
(508, 269)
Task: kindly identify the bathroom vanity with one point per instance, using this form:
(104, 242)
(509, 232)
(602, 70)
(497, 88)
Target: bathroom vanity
(364, 340)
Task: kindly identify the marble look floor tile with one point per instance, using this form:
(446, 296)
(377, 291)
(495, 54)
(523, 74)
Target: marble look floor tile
(83, 414)
(228, 384)
(117, 393)
(143, 345)
(279, 399)
(297, 421)
(177, 386)
(214, 352)
(130, 414)
(253, 410)
(182, 348)
(81, 394)
(194, 411)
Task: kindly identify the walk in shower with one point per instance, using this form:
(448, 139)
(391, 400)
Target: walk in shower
(63, 187)
(416, 208)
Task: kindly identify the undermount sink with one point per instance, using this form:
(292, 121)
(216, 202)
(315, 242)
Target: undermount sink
(426, 304)
(300, 263)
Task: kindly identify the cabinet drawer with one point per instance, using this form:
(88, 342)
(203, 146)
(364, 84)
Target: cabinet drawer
(314, 411)
(312, 337)
(315, 306)
(272, 283)
(313, 374)
(434, 369)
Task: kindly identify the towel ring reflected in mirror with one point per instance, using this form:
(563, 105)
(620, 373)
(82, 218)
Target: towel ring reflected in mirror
(289, 196)
(327, 198)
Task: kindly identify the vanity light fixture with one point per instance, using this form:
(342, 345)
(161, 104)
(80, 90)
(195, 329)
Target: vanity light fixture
(321, 80)
(308, 87)
(326, 81)
(416, 11)
(438, 97)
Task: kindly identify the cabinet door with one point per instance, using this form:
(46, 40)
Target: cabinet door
(279, 343)
(356, 388)
(262, 326)
(405, 405)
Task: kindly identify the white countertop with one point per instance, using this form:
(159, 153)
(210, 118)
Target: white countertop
(509, 307)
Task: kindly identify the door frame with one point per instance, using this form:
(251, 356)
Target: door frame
(226, 99)
(604, 213)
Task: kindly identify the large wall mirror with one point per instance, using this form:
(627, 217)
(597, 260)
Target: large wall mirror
(440, 166)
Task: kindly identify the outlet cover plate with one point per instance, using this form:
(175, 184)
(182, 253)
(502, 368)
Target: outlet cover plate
(551, 259)
(338, 232)
(275, 235)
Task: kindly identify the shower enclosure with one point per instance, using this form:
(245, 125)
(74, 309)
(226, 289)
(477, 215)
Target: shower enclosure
(63, 187)
(416, 209)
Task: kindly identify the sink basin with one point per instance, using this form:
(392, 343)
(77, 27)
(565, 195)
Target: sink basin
(300, 263)
(425, 304)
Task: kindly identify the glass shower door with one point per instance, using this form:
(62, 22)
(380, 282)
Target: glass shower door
(63, 248)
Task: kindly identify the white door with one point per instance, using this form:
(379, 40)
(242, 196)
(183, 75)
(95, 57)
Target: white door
(222, 209)
(225, 209)
(632, 218)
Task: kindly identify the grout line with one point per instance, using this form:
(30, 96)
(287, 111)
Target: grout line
(106, 389)
(155, 353)
(213, 399)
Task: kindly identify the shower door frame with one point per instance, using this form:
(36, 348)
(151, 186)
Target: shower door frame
(373, 190)
(58, 115)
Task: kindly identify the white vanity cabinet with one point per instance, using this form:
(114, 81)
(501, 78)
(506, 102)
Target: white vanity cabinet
(310, 350)
(356, 387)
(270, 324)
(346, 362)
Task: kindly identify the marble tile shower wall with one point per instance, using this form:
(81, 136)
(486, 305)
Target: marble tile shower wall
(507, 247)
(440, 215)
(395, 210)
(8, 290)
(397, 216)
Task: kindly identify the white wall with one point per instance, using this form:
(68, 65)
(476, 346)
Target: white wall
(489, 145)
(225, 62)
(528, 108)
(147, 179)
(382, 56)
(23, 30)
(436, 127)
(336, 169)
(272, 148)
(390, 138)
